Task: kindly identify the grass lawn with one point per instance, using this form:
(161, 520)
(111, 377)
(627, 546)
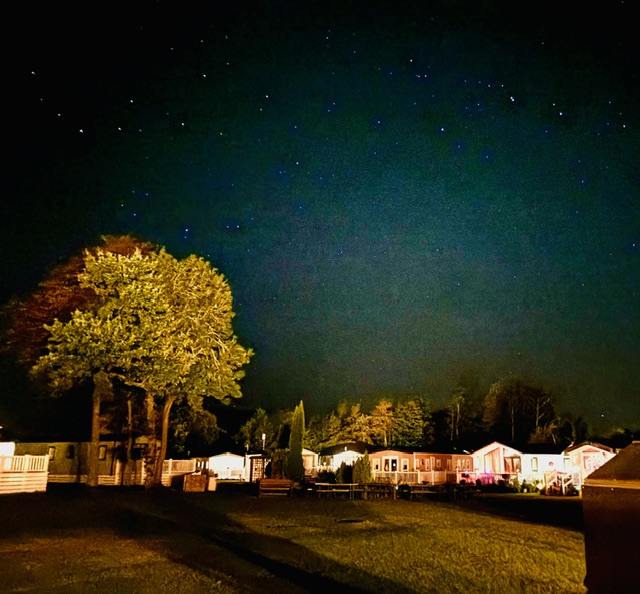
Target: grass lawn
(108, 540)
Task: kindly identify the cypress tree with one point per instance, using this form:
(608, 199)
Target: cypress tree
(295, 466)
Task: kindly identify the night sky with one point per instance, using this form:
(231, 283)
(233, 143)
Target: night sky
(398, 193)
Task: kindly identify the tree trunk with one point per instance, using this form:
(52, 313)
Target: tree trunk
(94, 445)
(166, 410)
(128, 462)
(102, 390)
(150, 456)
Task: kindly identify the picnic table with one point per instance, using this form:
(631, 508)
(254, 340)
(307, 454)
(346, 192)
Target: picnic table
(380, 491)
(330, 490)
(441, 492)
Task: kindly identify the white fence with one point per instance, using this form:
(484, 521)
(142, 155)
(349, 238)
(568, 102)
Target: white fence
(23, 474)
(170, 469)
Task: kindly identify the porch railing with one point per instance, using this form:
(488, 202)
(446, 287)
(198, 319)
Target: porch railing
(23, 474)
(418, 477)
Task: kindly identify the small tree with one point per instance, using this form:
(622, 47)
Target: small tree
(362, 470)
(344, 474)
(295, 464)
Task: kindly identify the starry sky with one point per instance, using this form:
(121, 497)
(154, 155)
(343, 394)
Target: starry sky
(398, 192)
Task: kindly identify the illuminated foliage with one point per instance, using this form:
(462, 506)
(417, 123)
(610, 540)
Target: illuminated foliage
(409, 423)
(362, 470)
(162, 325)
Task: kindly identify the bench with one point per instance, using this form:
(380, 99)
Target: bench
(271, 486)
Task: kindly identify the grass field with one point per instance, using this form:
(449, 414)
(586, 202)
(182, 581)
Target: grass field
(113, 541)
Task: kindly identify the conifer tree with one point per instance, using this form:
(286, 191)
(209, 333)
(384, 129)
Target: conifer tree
(295, 465)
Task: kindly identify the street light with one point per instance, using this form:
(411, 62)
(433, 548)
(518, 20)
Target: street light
(264, 437)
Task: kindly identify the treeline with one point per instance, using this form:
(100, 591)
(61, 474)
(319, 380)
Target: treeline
(511, 412)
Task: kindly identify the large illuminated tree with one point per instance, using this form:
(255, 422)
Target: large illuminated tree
(162, 325)
(25, 322)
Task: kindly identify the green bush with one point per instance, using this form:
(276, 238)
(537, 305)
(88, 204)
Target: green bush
(344, 473)
(362, 470)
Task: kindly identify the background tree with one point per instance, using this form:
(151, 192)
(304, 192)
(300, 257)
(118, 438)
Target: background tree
(382, 423)
(322, 431)
(295, 464)
(346, 423)
(162, 325)
(464, 415)
(573, 429)
(194, 429)
(251, 432)
(408, 424)
(516, 412)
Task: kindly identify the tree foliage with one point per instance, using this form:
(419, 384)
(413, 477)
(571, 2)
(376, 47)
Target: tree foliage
(25, 331)
(295, 465)
(517, 413)
(362, 470)
(158, 324)
(251, 432)
(407, 423)
(411, 423)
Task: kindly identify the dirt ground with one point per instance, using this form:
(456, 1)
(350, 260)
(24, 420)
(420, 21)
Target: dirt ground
(106, 540)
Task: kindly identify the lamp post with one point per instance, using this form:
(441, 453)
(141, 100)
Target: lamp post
(264, 437)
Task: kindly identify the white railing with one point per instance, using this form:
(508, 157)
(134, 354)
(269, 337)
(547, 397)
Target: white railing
(24, 463)
(419, 477)
(170, 468)
(23, 474)
(178, 466)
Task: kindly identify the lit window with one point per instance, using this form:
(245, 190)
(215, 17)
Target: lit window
(534, 464)
(52, 452)
(102, 452)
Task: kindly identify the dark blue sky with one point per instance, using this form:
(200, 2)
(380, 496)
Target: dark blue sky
(397, 194)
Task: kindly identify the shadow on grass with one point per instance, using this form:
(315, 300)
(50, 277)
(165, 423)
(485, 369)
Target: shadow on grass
(204, 539)
(540, 509)
(278, 556)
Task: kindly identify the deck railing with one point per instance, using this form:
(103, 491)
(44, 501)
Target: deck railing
(170, 469)
(23, 474)
(419, 477)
